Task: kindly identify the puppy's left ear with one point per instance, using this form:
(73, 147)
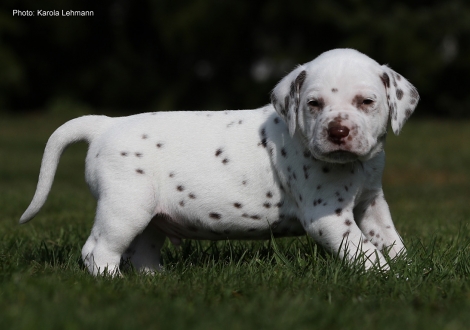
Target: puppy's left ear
(402, 97)
(285, 97)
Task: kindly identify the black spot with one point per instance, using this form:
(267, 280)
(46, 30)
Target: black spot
(218, 152)
(338, 211)
(180, 188)
(317, 202)
(237, 205)
(192, 196)
(300, 197)
(269, 194)
(325, 169)
(138, 154)
(267, 205)
(294, 176)
(307, 154)
(348, 222)
(214, 215)
(264, 142)
(346, 188)
(283, 153)
(124, 153)
(340, 199)
(225, 161)
(279, 204)
(276, 120)
(319, 187)
(320, 233)
(263, 132)
(140, 171)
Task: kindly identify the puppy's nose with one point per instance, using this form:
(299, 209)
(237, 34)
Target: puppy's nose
(337, 132)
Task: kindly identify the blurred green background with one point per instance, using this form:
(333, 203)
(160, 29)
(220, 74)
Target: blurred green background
(133, 56)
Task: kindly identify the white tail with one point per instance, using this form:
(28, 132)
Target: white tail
(79, 129)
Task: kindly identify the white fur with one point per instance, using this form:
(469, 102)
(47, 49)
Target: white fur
(246, 174)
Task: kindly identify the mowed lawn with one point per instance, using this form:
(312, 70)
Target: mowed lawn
(280, 284)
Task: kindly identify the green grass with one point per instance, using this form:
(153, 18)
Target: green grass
(282, 284)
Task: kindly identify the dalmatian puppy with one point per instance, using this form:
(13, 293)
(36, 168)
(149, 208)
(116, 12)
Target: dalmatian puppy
(310, 162)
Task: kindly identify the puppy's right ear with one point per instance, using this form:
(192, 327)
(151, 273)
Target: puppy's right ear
(285, 97)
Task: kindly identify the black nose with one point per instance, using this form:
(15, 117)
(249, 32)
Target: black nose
(337, 132)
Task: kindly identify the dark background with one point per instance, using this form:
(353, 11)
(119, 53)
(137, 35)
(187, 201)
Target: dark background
(135, 56)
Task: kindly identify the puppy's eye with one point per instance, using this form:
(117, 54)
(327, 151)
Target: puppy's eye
(367, 101)
(314, 103)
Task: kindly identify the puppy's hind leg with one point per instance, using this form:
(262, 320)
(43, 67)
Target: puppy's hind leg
(116, 226)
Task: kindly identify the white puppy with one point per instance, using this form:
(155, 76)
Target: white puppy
(311, 162)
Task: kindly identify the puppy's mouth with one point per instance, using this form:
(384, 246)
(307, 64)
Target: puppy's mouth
(341, 156)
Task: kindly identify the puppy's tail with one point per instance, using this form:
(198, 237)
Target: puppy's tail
(79, 129)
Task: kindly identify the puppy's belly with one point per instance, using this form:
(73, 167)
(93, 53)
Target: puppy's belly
(236, 227)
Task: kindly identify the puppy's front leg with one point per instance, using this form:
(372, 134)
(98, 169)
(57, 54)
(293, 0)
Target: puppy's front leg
(338, 233)
(374, 219)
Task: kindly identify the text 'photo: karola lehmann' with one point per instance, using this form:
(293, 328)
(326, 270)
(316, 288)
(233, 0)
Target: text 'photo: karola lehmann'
(51, 13)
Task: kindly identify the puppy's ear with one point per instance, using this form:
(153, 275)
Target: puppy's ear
(285, 97)
(402, 97)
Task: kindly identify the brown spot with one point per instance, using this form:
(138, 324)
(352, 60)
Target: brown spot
(124, 153)
(180, 188)
(385, 79)
(171, 175)
(348, 222)
(399, 94)
(237, 205)
(138, 154)
(267, 205)
(192, 196)
(334, 90)
(269, 194)
(245, 215)
(144, 136)
(371, 233)
(225, 161)
(255, 217)
(159, 145)
(244, 183)
(214, 215)
(218, 152)
(140, 171)
(182, 203)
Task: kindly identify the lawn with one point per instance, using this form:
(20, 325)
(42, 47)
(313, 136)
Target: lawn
(280, 284)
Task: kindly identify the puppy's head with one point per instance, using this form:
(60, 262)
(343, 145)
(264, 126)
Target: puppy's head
(340, 103)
